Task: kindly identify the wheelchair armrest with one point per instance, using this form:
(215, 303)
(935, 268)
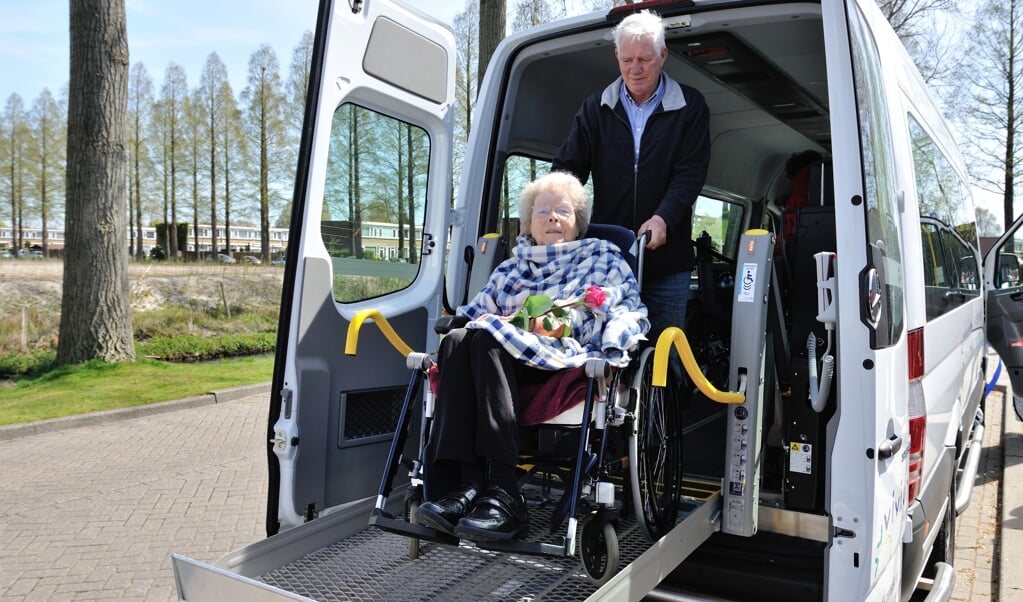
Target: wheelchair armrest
(446, 324)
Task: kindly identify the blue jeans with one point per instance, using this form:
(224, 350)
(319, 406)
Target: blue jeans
(665, 299)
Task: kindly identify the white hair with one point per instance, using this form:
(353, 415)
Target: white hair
(644, 24)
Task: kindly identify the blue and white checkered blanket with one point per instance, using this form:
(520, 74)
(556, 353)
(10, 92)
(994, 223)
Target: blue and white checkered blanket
(563, 272)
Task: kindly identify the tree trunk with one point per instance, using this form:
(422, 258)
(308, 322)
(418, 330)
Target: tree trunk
(95, 320)
(492, 26)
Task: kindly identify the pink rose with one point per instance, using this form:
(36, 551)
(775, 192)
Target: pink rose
(594, 297)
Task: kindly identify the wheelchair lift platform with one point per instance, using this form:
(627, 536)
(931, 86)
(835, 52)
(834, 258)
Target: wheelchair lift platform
(372, 564)
(339, 556)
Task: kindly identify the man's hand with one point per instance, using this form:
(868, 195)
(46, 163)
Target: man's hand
(658, 231)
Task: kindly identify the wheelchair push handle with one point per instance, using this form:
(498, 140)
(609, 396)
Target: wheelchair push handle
(352, 339)
(674, 336)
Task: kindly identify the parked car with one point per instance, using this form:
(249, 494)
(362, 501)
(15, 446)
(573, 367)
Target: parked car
(5, 254)
(252, 259)
(279, 260)
(224, 258)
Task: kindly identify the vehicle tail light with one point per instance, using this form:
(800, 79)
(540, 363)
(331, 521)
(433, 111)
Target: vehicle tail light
(916, 354)
(917, 412)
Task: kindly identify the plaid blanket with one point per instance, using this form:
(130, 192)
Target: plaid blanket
(563, 272)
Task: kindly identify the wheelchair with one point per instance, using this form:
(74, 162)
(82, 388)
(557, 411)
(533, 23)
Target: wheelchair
(615, 456)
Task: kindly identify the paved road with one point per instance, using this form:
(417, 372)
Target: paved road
(95, 511)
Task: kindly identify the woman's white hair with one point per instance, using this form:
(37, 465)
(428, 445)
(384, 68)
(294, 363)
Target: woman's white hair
(644, 24)
(556, 181)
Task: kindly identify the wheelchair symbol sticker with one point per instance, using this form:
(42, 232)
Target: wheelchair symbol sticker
(747, 283)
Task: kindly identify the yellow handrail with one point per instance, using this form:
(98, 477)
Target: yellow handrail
(674, 335)
(352, 340)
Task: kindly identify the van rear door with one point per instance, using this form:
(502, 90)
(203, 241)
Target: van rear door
(368, 230)
(1005, 302)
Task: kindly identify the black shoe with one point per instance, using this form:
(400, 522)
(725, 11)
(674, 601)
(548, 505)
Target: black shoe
(497, 516)
(443, 514)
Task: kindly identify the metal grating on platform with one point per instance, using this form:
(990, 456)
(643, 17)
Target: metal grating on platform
(374, 565)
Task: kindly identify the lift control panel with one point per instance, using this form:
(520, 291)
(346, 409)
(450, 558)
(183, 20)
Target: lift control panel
(740, 491)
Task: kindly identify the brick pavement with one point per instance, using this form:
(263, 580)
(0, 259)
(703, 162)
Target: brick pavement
(977, 528)
(94, 512)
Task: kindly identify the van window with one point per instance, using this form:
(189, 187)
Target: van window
(883, 243)
(374, 202)
(1007, 268)
(722, 220)
(942, 194)
(950, 269)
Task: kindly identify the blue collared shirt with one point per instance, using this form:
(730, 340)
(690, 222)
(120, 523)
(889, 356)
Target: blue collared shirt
(640, 113)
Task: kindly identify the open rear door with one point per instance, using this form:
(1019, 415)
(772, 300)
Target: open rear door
(1004, 290)
(368, 230)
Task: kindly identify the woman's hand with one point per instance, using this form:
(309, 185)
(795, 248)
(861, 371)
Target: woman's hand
(536, 326)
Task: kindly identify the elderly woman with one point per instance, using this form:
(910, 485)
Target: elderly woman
(473, 448)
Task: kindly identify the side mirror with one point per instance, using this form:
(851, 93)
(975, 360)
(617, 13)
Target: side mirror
(1008, 270)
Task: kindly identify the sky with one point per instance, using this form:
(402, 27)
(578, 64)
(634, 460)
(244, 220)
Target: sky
(34, 37)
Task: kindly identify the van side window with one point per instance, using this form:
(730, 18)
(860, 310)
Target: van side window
(374, 199)
(941, 193)
(950, 269)
(883, 243)
(1007, 266)
(722, 220)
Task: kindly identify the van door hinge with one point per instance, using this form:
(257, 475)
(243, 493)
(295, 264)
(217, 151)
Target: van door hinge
(428, 244)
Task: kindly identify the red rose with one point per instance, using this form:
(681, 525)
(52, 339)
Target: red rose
(594, 297)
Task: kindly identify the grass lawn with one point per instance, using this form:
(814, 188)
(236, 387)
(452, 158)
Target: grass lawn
(97, 386)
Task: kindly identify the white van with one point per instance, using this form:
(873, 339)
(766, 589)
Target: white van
(855, 491)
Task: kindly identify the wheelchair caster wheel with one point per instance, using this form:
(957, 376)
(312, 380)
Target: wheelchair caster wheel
(411, 505)
(598, 549)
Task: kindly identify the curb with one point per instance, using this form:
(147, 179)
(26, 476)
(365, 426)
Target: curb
(27, 429)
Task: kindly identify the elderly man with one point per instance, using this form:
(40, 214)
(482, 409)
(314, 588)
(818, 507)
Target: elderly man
(645, 140)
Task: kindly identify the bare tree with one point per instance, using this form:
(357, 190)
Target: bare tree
(212, 102)
(50, 143)
(194, 133)
(140, 110)
(264, 125)
(95, 317)
(927, 29)
(16, 134)
(232, 144)
(993, 117)
(987, 223)
(173, 95)
(530, 13)
(298, 82)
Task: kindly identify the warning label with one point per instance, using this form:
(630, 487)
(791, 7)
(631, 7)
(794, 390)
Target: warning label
(800, 457)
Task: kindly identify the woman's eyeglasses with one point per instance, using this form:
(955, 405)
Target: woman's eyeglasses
(562, 211)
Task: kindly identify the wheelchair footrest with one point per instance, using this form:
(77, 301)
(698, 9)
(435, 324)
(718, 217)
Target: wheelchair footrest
(526, 547)
(400, 526)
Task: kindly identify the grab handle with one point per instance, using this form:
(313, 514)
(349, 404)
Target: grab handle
(352, 340)
(674, 335)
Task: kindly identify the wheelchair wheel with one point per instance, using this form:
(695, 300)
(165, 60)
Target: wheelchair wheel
(411, 505)
(655, 451)
(598, 549)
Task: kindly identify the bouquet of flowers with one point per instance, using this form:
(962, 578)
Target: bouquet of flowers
(554, 319)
